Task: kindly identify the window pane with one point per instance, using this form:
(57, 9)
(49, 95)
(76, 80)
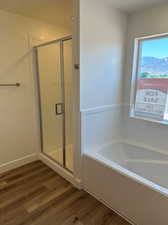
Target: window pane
(152, 80)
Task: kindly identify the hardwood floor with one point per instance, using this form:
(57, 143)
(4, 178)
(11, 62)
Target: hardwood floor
(35, 195)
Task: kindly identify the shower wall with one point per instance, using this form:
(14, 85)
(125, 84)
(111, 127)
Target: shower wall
(19, 134)
(146, 22)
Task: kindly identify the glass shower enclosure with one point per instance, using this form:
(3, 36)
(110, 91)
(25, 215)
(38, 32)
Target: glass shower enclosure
(54, 72)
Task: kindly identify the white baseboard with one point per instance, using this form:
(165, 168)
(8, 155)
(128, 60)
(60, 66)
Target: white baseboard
(33, 157)
(18, 162)
(61, 171)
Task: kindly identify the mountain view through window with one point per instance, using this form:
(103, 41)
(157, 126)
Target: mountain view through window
(152, 79)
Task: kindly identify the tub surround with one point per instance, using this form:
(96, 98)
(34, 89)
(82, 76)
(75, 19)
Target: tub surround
(101, 125)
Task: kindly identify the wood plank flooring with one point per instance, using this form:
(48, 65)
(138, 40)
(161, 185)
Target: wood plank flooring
(35, 195)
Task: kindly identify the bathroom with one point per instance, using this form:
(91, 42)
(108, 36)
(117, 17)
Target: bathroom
(81, 120)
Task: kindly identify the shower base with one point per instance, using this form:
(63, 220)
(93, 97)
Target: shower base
(57, 155)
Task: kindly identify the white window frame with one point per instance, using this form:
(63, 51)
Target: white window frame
(135, 68)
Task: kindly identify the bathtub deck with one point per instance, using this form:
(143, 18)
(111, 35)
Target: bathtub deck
(36, 195)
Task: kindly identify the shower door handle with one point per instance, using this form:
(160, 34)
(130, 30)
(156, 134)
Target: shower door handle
(59, 108)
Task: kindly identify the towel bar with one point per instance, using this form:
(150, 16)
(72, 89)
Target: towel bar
(10, 85)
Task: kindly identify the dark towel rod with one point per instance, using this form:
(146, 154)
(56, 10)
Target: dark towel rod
(10, 85)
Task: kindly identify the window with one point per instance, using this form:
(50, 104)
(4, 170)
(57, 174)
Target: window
(149, 96)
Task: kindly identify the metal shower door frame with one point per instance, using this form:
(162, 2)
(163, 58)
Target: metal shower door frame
(61, 41)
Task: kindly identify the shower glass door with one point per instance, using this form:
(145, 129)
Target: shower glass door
(68, 98)
(51, 101)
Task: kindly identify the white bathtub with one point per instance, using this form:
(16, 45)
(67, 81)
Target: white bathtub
(132, 180)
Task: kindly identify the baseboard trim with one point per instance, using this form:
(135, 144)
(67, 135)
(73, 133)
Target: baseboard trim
(18, 162)
(61, 171)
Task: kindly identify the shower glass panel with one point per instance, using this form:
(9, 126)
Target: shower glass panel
(68, 96)
(51, 101)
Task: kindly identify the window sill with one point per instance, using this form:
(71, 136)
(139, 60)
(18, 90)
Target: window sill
(164, 122)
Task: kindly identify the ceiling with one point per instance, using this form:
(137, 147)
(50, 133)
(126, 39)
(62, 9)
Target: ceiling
(58, 12)
(135, 5)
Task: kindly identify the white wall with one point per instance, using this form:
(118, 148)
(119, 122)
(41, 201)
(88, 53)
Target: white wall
(19, 133)
(102, 39)
(102, 44)
(147, 22)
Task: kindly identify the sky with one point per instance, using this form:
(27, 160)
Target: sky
(156, 48)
